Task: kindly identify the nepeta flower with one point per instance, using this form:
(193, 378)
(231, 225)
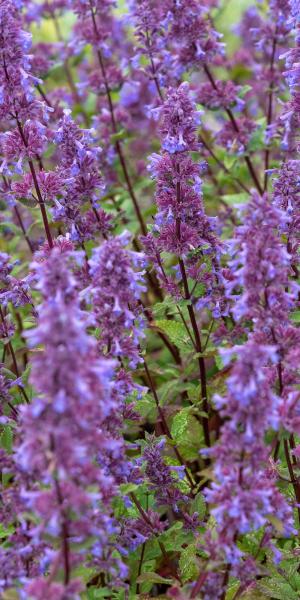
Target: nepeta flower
(286, 197)
(160, 476)
(244, 496)
(12, 289)
(64, 487)
(261, 266)
(194, 39)
(117, 285)
(226, 95)
(181, 225)
(79, 168)
(16, 80)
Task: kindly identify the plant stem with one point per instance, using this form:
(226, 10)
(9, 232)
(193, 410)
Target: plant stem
(37, 188)
(19, 218)
(164, 422)
(270, 106)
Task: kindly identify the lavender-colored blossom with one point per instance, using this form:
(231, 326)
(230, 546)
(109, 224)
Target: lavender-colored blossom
(261, 266)
(181, 225)
(64, 487)
(12, 289)
(117, 285)
(244, 495)
(79, 169)
(195, 40)
(160, 476)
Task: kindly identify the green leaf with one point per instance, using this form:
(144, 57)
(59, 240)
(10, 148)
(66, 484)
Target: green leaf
(219, 362)
(278, 590)
(176, 332)
(198, 505)
(7, 438)
(5, 532)
(120, 135)
(245, 89)
(10, 595)
(295, 316)
(93, 594)
(187, 433)
(126, 488)
(229, 161)
(180, 423)
(188, 563)
(153, 578)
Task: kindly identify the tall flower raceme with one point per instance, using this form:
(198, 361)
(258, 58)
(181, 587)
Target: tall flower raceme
(181, 226)
(24, 114)
(193, 479)
(266, 36)
(78, 204)
(192, 34)
(286, 180)
(244, 497)
(151, 19)
(64, 489)
(117, 283)
(260, 393)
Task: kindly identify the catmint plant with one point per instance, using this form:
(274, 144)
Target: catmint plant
(149, 299)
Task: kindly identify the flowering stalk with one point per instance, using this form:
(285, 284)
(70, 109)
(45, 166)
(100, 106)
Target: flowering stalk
(64, 485)
(19, 102)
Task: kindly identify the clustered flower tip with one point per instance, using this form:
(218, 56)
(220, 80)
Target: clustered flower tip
(149, 299)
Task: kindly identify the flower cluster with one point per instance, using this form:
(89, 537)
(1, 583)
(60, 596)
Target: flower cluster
(149, 299)
(64, 486)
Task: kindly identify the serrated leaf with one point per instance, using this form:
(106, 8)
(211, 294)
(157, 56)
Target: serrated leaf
(199, 505)
(176, 332)
(7, 438)
(187, 433)
(153, 578)
(188, 563)
(278, 591)
(180, 423)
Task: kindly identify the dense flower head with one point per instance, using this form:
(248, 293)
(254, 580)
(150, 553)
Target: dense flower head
(13, 289)
(178, 121)
(151, 19)
(117, 285)
(16, 80)
(17, 146)
(295, 8)
(224, 95)
(192, 34)
(261, 266)
(250, 408)
(161, 477)
(81, 179)
(286, 197)
(57, 473)
(181, 225)
(149, 298)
